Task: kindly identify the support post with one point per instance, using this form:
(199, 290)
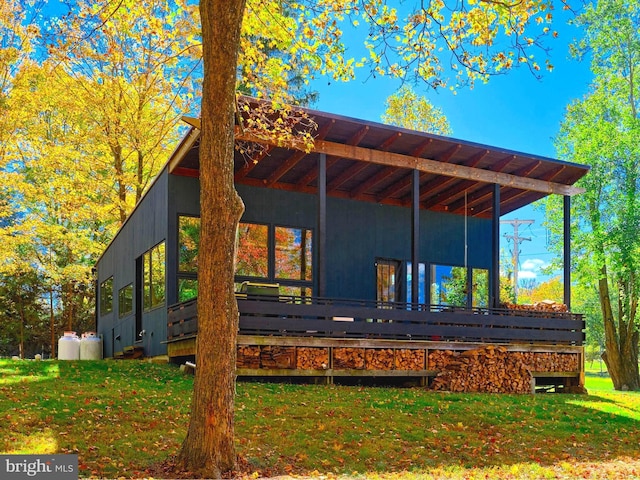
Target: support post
(567, 250)
(495, 248)
(415, 236)
(322, 225)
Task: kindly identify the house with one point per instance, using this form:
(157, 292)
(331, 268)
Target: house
(380, 238)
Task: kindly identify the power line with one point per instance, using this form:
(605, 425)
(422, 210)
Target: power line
(517, 240)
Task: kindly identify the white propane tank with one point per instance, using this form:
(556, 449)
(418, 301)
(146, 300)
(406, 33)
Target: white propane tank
(69, 347)
(90, 347)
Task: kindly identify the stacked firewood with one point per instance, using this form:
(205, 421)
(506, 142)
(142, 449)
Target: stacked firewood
(247, 356)
(409, 359)
(543, 306)
(274, 356)
(379, 358)
(488, 369)
(549, 361)
(313, 358)
(348, 358)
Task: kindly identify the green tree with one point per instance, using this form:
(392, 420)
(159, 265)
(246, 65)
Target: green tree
(406, 109)
(419, 45)
(602, 130)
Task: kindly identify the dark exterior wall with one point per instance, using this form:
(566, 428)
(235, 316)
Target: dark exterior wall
(146, 227)
(359, 232)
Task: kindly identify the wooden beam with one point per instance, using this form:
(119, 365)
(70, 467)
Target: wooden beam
(432, 166)
(331, 159)
(346, 175)
(394, 188)
(372, 181)
(284, 167)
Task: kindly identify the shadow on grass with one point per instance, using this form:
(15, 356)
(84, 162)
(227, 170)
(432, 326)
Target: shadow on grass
(122, 417)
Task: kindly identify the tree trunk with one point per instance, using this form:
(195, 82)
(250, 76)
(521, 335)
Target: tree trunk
(620, 356)
(209, 446)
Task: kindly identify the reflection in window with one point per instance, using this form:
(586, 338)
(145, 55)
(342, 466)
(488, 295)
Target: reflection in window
(253, 250)
(106, 296)
(480, 287)
(154, 276)
(287, 290)
(422, 282)
(188, 243)
(449, 285)
(293, 253)
(386, 276)
(125, 300)
(187, 289)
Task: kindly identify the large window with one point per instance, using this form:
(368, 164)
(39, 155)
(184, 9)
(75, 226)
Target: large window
(459, 286)
(293, 253)
(480, 287)
(125, 300)
(449, 285)
(387, 280)
(154, 277)
(188, 247)
(422, 282)
(106, 296)
(188, 243)
(253, 250)
(276, 254)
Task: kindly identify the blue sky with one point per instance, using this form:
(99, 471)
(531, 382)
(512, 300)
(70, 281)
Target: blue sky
(513, 111)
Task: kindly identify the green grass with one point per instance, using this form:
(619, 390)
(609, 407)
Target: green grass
(123, 417)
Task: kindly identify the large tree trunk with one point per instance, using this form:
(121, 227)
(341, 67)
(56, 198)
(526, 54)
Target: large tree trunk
(621, 344)
(209, 446)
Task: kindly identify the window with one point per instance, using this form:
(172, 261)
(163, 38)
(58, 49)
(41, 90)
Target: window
(449, 285)
(154, 277)
(480, 287)
(422, 282)
(187, 289)
(293, 253)
(188, 243)
(188, 246)
(276, 254)
(253, 250)
(386, 280)
(106, 296)
(125, 300)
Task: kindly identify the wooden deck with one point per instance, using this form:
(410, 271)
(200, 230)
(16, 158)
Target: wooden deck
(276, 336)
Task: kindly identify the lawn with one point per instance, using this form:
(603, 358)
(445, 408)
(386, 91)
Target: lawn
(124, 418)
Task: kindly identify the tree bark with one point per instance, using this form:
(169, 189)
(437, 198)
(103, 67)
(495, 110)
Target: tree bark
(209, 446)
(621, 349)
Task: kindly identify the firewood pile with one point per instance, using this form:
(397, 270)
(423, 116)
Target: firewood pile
(488, 369)
(409, 359)
(543, 306)
(273, 356)
(247, 356)
(313, 358)
(349, 358)
(549, 362)
(379, 358)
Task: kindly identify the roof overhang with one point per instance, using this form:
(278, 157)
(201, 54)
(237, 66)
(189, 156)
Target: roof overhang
(373, 162)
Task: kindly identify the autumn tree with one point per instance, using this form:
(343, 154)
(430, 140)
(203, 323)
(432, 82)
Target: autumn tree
(134, 69)
(474, 39)
(406, 109)
(602, 130)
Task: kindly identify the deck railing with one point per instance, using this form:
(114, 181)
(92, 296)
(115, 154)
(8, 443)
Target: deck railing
(319, 317)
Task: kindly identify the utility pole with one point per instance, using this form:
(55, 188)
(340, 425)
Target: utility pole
(517, 240)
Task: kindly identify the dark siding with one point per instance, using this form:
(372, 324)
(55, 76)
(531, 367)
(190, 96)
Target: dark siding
(359, 232)
(146, 227)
